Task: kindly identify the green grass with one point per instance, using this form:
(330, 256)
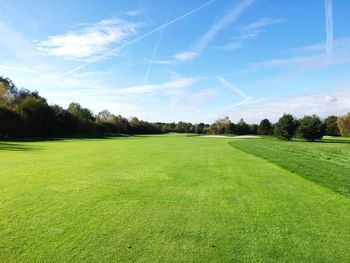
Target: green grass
(165, 198)
(326, 162)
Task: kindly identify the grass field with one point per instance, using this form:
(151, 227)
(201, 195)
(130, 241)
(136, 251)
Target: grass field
(173, 198)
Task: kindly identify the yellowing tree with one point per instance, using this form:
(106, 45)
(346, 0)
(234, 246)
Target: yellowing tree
(344, 124)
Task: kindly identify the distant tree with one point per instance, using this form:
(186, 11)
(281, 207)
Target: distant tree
(265, 127)
(344, 124)
(120, 124)
(104, 121)
(286, 127)
(331, 126)
(104, 116)
(220, 126)
(10, 123)
(169, 127)
(64, 123)
(183, 127)
(311, 128)
(253, 128)
(136, 125)
(8, 90)
(37, 116)
(231, 129)
(83, 117)
(199, 128)
(242, 127)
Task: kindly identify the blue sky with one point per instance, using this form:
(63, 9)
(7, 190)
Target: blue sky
(187, 60)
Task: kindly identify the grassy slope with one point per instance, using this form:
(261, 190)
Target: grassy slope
(162, 199)
(327, 162)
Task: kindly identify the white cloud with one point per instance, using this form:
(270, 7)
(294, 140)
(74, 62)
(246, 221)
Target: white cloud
(185, 56)
(138, 39)
(90, 40)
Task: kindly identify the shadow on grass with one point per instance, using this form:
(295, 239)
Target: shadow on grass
(336, 140)
(341, 140)
(14, 147)
(88, 136)
(69, 137)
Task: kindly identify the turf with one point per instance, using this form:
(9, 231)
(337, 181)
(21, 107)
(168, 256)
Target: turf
(326, 162)
(168, 198)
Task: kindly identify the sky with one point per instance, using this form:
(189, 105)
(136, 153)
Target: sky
(183, 60)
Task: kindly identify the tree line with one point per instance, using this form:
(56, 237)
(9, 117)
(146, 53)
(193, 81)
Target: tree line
(25, 113)
(310, 127)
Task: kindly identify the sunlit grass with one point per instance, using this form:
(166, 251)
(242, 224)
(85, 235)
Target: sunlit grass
(168, 198)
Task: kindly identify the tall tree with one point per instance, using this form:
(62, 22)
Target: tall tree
(265, 127)
(331, 126)
(344, 124)
(242, 127)
(10, 123)
(83, 117)
(311, 128)
(286, 127)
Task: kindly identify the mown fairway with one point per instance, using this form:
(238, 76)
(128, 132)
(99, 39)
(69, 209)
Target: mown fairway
(166, 198)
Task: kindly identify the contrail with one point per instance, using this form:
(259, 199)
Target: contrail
(224, 22)
(155, 50)
(175, 20)
(229, 86)
(329, 27)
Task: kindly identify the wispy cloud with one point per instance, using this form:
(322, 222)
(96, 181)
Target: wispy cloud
(135, 12)
(90, 40)
(324, 104)
(138, 39)
(21, 69)
(184, 56)
(170, 85)
(230, 17)
(249, 32)
(223, 23)
(329, 26)
(340, 45)
(14, 42)
(302, 62)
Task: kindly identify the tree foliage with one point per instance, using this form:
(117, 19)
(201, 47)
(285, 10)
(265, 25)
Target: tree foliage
(331, 126)
(286, 127)
(265, 127)
(242, 127)
(344, 124)
(220, 126)
(311, 128)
